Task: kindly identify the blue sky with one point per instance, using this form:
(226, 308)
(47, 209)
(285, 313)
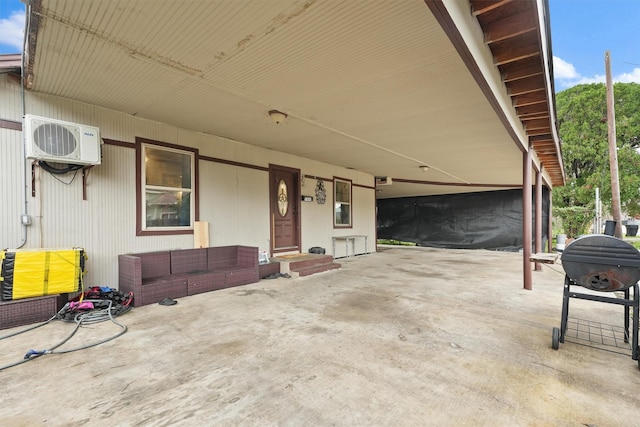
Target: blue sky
(581, 31)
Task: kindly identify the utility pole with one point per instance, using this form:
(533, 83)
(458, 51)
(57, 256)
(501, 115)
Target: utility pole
(613, 150)
(597, 228)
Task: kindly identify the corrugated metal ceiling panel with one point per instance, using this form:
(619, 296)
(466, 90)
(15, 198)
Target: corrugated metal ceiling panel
(372, 85)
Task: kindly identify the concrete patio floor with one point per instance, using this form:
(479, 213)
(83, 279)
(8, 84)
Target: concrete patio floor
(403, 337)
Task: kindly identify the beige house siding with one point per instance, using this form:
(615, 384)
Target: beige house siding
(12, 185)
(233, 199)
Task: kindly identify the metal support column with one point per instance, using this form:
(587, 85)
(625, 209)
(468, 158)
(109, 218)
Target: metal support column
(526, 219)
(538, 243)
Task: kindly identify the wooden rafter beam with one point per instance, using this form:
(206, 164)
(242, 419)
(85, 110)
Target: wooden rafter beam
(529, 99)
(516, 70)
(529, 117)
(506, 52)
(545, 148)
(533, 110)
(513, 26)
(478, 7)
(541, 131)
(523, 90)
(542, 138)
(537, 124)
(522, 86)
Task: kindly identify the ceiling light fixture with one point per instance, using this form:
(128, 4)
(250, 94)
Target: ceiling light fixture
(277, 116)
(424, 168)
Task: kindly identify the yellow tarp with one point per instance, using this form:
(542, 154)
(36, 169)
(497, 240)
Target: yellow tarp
(46, 272)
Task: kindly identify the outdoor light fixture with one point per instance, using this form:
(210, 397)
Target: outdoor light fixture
(424, 168)
(277, 116)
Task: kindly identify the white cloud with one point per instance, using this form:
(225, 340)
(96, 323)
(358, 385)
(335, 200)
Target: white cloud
(563, 70)
(598, 78)
(11, 30)
(567, 76)
(632, 77)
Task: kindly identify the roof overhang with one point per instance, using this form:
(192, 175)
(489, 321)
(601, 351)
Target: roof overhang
(519, 36)
(381, 87)
(11, 64)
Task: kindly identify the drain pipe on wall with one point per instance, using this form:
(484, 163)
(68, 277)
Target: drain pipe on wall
(25, 219)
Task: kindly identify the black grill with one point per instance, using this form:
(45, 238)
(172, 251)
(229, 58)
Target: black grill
(604, 264)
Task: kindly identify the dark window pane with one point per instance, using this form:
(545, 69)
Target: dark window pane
(168, 208)
(343, 214)
(342, 192)
(167, 168)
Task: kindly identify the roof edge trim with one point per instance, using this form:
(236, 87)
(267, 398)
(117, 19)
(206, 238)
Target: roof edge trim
(30, 40)
(544, 29)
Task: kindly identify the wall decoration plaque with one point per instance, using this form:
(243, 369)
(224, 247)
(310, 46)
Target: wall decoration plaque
(321, 193)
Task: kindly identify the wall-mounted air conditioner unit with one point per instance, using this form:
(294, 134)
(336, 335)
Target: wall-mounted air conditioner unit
(62, 142)
(383, 180)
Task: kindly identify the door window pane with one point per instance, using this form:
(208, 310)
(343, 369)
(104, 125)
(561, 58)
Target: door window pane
(283, 198)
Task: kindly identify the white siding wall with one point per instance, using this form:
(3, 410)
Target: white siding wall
(234, 200)
(317, 220)
(11, 187)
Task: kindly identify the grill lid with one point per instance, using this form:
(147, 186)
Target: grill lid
(602, 263)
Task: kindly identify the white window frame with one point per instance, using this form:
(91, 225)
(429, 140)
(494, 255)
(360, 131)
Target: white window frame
(144, 187)
(335, 202)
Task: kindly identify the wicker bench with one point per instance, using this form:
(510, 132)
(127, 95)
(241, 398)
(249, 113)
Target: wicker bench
(153, 276)
(20, 312)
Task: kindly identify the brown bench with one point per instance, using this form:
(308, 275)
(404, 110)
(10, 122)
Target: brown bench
(154, 276)
(20, 312)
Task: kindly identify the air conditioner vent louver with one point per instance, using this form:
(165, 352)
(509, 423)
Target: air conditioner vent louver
(62, 142)
(55, 139)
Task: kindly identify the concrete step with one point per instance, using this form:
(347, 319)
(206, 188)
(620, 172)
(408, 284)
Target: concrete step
(300, 265)
(309, 260)
(318, 268)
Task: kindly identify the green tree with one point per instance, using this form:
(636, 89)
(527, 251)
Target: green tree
(582, 125)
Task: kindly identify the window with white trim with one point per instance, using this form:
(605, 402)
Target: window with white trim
(167, 188)
(342, 217)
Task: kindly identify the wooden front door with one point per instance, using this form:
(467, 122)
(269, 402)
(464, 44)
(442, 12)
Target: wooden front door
(284, 190)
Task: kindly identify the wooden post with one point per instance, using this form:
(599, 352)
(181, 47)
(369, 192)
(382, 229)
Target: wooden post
(613, 152)
(526, 219)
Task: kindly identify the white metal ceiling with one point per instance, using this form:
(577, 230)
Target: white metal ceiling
(372, 85)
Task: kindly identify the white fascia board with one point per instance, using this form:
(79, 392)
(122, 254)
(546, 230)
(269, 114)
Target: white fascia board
(546, 41)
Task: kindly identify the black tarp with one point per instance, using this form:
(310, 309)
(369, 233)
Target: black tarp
(486, 220)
